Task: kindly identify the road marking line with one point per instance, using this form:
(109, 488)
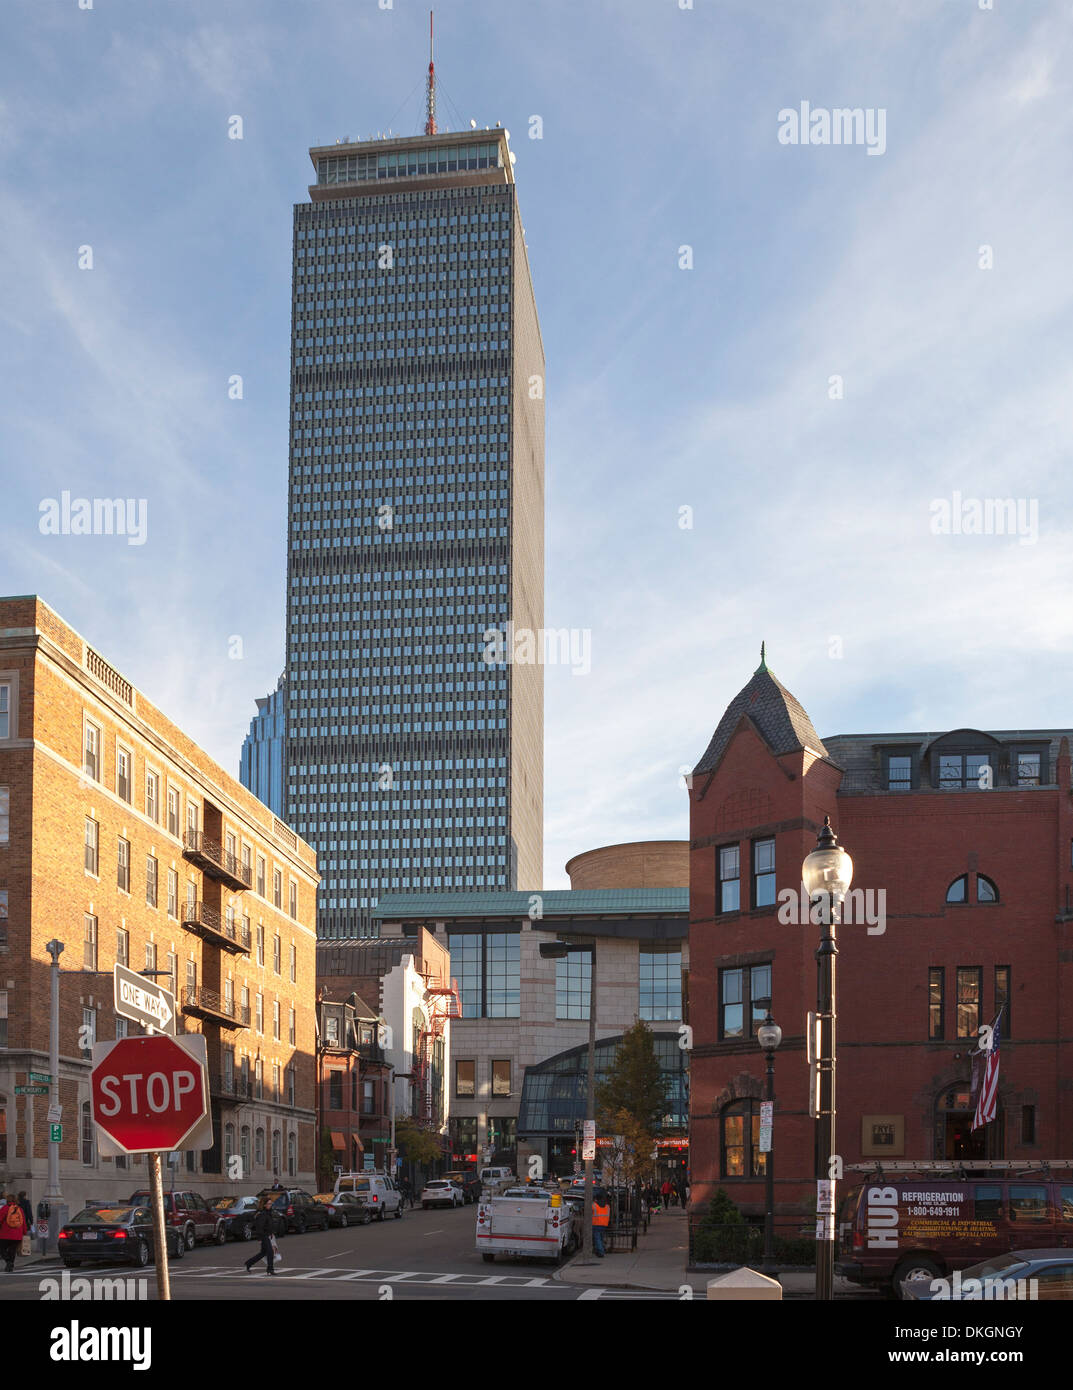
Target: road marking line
(314, 1273)
(437, 1232)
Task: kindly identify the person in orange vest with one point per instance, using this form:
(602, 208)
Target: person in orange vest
(601, 1218)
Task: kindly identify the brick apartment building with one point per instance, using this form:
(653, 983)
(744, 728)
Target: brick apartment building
(353, 1088)
(122, 839)
(969, 834)
(407, 982)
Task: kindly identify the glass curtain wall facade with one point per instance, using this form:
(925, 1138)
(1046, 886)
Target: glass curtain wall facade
(261, 765)
(414, 762)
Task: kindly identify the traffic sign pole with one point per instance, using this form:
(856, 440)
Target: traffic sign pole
(160, 1235)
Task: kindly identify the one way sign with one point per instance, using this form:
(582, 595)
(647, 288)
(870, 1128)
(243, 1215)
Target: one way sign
(143, 1001)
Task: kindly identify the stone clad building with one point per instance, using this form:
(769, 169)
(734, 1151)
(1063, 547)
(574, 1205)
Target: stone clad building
(123, 840)
(518, 1049)
(962, 907)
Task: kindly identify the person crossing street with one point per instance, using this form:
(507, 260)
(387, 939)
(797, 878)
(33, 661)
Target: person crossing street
(262, 1228)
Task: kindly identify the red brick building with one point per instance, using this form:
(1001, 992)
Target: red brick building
(962, 844)
(353, 1088)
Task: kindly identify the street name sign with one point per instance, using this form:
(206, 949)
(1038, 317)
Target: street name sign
(143, 1001)
(31, 1090)
(151, 1095)
(40, 1076)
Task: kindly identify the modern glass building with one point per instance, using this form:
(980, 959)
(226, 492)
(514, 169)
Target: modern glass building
(261, 764)
(414, 746)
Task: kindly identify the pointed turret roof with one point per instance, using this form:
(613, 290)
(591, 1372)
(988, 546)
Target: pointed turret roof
(781, 722)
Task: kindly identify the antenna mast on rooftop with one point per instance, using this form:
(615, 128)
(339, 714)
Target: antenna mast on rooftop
(430, 122)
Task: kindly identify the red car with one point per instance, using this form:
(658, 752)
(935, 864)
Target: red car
(189, 1213)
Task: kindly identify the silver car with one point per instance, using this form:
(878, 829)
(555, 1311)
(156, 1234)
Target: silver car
(440, 1192)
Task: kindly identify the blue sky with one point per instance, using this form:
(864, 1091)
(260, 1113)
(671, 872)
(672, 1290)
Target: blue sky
(707, 388)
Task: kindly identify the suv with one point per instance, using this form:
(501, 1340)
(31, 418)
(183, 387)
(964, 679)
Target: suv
(294, 1209)
(468, 1181)
(189, 1213)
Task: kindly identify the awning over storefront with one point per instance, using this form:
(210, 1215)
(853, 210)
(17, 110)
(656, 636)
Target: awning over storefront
(338, 1142)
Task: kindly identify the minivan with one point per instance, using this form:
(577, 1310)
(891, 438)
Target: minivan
(894, 1228)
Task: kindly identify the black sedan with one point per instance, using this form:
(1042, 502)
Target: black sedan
(120, 1235)
(238, 1214)
(1028, 1274)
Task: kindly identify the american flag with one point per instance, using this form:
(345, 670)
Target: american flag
(987, 1098)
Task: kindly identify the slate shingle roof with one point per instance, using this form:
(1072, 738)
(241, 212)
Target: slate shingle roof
(782, 722)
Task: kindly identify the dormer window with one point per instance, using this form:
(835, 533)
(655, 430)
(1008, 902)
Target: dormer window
(899, 772)
(966, 771)
(1028, 769)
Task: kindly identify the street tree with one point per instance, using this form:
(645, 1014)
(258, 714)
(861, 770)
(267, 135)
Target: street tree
(634, 1084)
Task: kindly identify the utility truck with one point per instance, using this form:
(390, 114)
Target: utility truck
(527, 1221)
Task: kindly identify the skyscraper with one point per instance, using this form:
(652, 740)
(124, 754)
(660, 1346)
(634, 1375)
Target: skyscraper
(416, 524)
(261, 764)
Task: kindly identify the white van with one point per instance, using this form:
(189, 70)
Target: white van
(373, 1190)
(494, 1180)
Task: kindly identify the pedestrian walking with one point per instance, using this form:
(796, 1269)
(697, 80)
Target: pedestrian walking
(666, 1191)
(406, 1187)
(262, 1228)
(27, 1211)
(12, 1229)
(601, 1218)
(680, 1192)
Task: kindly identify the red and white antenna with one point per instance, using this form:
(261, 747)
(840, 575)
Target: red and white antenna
(430, 107)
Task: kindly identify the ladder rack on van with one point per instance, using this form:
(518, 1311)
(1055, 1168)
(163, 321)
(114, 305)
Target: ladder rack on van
(958, 1170)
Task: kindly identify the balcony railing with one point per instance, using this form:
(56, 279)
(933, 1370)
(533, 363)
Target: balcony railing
(206, 922)
(234, 1087)
(206, 1003)
(210, 856)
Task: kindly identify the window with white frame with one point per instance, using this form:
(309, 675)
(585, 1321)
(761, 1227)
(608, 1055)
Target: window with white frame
(152, 796)
(173, 811)
(91, 753)
(92, 856)
(5, 709)
(123, 765)
(5, 815)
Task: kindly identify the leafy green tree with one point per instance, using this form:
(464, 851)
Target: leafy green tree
(634, 1084)
(416, 1145)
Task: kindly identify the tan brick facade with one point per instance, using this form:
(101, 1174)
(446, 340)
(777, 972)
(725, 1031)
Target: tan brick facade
(89, 761)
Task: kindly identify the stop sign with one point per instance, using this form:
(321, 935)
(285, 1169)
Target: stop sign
(148, 1094)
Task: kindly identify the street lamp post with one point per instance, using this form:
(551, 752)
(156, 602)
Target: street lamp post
(826, 873)
(53, 1195)
(558, 950)
(769, 1035)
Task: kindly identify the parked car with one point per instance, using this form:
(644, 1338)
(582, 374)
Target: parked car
(468, 1181)
(115, 1235)
(237, 1214)
(188, 1212)
(1051, 1271)
(344, 1209)
(373, 1190)
(298, 1210)
(440, 1192)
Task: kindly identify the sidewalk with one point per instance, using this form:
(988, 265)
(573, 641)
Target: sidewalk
(659, 1263)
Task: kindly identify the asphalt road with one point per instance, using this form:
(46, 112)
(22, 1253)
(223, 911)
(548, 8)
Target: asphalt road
(423, 1255)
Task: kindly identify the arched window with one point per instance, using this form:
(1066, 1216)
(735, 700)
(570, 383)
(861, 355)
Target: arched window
(292, 1155)
(277, 1153)
(259, 1147)
(244, 1150)
(739, 1135)
(986, 890)
(958, 892)
(229, 1146)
